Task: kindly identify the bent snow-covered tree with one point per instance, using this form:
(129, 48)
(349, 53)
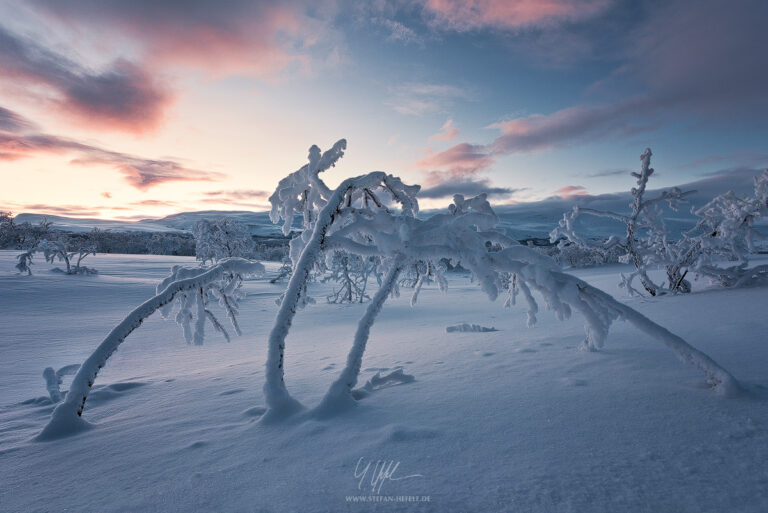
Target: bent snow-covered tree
(375, 215)
(192, 289)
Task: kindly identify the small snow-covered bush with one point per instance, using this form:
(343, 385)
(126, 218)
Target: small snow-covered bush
(222, 238)
(58, 251)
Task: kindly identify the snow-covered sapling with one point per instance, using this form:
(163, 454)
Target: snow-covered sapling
(189, 286)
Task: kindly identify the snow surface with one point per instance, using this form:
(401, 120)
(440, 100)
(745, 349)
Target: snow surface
(512, 420)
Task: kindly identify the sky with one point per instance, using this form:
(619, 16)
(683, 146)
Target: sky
(144, 108)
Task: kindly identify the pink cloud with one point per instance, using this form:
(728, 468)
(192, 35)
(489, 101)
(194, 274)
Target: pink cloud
(122, 96)
(447, 133)
(458, 160)
(19, 142)
(569, 191)
(464, 15)
(232, 37)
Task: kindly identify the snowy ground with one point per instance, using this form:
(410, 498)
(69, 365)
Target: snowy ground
(511, 420)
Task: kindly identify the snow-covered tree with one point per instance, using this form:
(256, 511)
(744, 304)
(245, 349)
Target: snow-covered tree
(222, 238)
(644, 241)
(190, 291)
(61, 251)
(360, 218)
(724, 232)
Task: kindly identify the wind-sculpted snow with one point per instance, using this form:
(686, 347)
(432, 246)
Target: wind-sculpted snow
(468, 328)
(67, 417)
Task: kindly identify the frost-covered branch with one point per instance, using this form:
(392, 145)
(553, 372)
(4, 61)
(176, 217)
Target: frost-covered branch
(54, 378)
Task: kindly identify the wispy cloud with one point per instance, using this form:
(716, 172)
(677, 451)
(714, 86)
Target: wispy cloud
(447, 132)
(121, 97)
(464, 15)
(461, 159)
(399, 32)
(154, 203)
(239, 36)
(465, 186)
(607, 172)
(139, 172)
(239, 194)
(61, 210)
(417, 99)
(743, 158)
(570, 125)
(13, 122)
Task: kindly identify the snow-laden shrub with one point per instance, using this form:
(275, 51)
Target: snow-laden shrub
(61, 251)
(350, 273)
(192, 289)
(726, 232)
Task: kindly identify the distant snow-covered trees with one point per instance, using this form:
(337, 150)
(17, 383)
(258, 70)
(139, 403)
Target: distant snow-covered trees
(222, 238)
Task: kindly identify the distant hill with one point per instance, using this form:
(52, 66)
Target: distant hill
(520, 221)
